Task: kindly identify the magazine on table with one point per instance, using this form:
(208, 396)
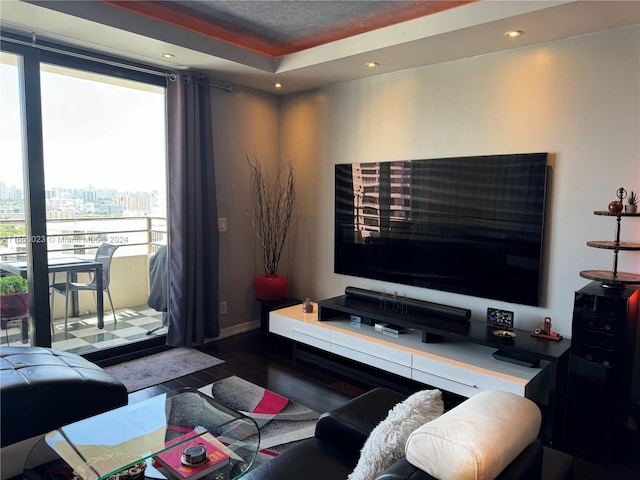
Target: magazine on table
(173, 459)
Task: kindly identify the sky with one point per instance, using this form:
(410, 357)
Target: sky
(106, 135)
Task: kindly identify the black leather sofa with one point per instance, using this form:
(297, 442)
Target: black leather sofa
(42, 389)
(333, 452)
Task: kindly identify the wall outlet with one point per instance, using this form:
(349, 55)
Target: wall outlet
(222, 224)
(223, 307)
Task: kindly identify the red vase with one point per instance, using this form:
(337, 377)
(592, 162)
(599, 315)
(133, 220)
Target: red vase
(271, 287)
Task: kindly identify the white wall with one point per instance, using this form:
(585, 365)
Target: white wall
(578, 99)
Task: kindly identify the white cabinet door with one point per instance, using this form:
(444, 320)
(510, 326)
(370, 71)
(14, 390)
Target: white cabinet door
(308, 333)
(463, 380)
(371, 353)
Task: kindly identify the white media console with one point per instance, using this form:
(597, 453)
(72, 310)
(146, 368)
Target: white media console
(461, 363)
(458, 367)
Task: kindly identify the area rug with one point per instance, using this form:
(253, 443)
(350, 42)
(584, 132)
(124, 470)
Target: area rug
(283, 423)
(161, 367)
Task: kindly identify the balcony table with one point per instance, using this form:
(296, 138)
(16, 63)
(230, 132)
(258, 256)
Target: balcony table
(70, 265)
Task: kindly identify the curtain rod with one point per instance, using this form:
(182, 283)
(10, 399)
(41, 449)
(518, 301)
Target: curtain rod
(227, 88)
(171, 76)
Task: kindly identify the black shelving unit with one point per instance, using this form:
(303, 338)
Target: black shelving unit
(600, 402)
(613, 279)
(439, 328)
(604, 360)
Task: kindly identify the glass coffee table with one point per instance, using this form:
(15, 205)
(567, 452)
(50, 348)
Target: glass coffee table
(124, 443)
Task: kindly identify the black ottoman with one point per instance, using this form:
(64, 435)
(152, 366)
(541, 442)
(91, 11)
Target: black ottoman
(43, 389)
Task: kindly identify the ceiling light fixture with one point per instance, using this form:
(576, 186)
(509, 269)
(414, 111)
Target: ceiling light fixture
(278, 85)
(513, 33)
(371, 64)
(168, 55)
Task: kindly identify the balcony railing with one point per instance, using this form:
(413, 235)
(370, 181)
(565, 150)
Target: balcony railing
(136, 235)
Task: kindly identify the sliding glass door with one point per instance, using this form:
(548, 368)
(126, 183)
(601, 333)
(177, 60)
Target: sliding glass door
(104, 149)
(14, 298)
(102, 188)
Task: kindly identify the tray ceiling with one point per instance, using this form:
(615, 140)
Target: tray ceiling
(306, 44)
(282, 27)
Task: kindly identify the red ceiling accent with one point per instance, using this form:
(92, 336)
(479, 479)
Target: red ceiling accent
(163, 11)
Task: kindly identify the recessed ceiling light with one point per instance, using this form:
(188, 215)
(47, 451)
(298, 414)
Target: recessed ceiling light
(278, 85)
(371, 64)
(513, 33)
(168, 55)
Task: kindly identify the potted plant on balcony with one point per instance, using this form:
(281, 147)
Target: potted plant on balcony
(272, 198)
(14, 299)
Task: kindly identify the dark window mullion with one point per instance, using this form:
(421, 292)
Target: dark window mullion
(35, 203)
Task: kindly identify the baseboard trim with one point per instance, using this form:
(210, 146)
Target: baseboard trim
(236, 329)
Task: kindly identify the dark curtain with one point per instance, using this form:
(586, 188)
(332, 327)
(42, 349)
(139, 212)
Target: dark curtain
(193, 225)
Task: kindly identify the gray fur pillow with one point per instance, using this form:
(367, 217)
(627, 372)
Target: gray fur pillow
(387, 441)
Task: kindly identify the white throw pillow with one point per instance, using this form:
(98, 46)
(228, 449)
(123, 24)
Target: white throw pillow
(477, 439)
(387, 441)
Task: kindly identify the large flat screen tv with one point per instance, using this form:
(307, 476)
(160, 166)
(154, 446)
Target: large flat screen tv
(469, 225)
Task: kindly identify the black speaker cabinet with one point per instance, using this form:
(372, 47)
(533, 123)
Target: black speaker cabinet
(602, 369)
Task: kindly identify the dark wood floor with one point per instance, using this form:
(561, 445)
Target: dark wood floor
(267, 362)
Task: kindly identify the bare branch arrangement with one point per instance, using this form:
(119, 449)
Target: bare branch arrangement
(272, 197)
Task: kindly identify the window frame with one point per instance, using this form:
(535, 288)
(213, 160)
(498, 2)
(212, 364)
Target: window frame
(29, 66)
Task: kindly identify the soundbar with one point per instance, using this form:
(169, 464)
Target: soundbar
(446, 311)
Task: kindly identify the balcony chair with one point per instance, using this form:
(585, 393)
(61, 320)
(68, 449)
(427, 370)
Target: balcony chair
(104, 254)
(159, 285)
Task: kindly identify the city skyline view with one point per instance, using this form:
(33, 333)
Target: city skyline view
(76, 202)
(57, 190)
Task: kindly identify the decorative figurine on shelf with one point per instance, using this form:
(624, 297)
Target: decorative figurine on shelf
(632, 201)
(544, 331)
(307, 306)
(616, 205)
(383, 300)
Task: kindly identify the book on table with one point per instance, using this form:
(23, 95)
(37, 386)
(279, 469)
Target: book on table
(171, 459)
